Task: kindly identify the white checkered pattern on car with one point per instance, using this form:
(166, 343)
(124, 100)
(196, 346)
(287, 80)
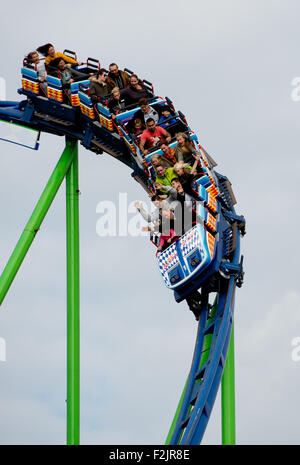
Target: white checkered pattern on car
(166, 260)
(190, 240)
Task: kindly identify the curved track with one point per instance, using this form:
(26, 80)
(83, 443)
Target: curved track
(208, 363)
(215, 323)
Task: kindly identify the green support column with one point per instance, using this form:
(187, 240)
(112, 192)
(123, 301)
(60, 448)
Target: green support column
(73, 328)
(228, 397)
(35, 220)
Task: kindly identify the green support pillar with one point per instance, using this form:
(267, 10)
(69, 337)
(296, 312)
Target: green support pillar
(228, 397)
(73, 328)
(67, 166)
(35, 220)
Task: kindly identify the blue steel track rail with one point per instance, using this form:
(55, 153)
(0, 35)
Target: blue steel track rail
(204, 381)
(31, 115)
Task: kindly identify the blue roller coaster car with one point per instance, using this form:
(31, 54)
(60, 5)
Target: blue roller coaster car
(205, 250)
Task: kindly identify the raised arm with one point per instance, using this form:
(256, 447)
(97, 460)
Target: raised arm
(197, 159)
(168, 189)
(150, 218)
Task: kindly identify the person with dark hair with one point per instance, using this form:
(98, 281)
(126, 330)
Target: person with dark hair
(169, 152)
(160, 201)
(137, 128)
(116, 102)
(164, 176)
(99, 87)
(48, 51)
(184, 211)
(154, 215)
(148, 111)
(183, 205)
(67, 75)
(165, 115)
(153, 135)
(117, 78)
(34, 59)
(135, 91)
(164, 224)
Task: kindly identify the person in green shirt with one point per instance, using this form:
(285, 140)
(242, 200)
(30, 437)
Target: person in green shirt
(165, 176)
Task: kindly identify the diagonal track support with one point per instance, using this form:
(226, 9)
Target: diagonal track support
(36, 219)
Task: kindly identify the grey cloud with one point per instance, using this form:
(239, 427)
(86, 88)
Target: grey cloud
(228, 66)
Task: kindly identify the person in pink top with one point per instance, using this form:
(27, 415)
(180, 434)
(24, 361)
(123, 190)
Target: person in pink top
(152, 135)
(167, 229)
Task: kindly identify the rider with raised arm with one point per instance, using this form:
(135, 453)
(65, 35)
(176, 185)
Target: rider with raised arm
(187, 174)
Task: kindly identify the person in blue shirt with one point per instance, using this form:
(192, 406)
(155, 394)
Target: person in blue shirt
(165, 115)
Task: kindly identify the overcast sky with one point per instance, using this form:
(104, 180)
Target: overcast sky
(228, 66)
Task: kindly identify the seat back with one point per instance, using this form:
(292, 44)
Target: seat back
(86, 105)
(126, 115)
(74, 88)
(30, 82)
(54, 88)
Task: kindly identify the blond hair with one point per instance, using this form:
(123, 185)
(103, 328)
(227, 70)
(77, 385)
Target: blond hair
(182, 134)
(187, 147)
(181, 165)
